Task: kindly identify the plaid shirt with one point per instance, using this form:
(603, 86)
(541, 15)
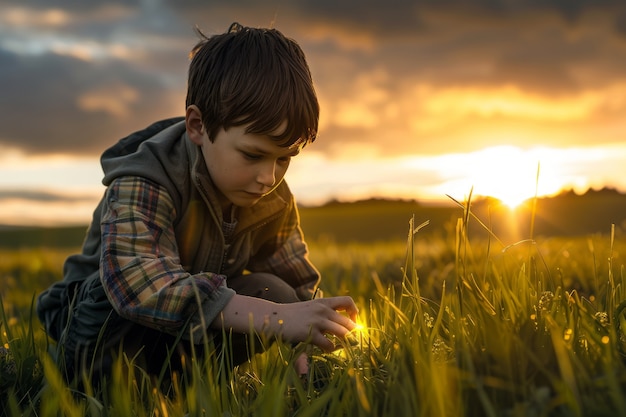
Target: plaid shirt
(141, 268)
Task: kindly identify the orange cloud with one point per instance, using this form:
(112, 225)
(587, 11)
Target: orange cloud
(115, 100)
(511, 101)
(22, 16)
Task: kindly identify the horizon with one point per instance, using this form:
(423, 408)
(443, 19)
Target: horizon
(449, 202)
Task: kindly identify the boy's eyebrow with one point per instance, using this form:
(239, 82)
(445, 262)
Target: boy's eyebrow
(261, 151)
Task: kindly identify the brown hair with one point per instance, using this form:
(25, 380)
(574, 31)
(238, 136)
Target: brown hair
(257, 77)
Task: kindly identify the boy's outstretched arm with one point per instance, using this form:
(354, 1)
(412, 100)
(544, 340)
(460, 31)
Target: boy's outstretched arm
(294, 322)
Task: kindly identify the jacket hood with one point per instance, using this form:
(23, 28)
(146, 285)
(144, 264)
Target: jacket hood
(160, 153)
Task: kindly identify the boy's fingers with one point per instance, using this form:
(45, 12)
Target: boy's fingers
(335, 329)
(323, 342)
(348, 305)
(343, 303)
(346, 323)
(301, 364)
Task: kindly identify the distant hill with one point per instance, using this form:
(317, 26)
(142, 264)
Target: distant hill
(567, 214)
(14, 237)
(371, 220)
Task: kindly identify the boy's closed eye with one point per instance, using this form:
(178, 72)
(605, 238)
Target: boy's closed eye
(251, 156)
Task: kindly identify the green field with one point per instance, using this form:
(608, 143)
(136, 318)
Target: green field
(457, 322)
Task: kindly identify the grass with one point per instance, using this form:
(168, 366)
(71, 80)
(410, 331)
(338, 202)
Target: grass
(454, 325)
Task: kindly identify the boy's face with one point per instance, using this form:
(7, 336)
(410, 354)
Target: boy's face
(244, 167)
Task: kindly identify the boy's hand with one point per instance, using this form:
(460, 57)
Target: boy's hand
(305, 321)
(312, 320)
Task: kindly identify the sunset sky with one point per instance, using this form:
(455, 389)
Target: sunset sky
(420, 99)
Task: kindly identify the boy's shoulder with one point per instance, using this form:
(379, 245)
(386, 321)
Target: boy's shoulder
(129, 144)
(158, 153)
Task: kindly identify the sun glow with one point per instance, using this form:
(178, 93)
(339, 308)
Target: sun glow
(507, 173)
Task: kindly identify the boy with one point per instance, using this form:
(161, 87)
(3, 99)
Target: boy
(197, 234)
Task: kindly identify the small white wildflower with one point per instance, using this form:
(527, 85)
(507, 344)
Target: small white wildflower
(429, 320)
(546, 299)
(602, 317)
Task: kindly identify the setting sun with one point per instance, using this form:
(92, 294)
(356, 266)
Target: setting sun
(506, 173)
(510, 174)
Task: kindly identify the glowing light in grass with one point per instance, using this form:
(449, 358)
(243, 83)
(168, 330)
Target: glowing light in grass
(358, 329)
(359, 332)
(568, 334)
(352, 339)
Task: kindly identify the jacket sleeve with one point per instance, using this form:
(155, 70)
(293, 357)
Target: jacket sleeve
(140, 267)
(287, 257)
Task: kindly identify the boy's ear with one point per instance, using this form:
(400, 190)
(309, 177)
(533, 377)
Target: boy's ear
(193, 123)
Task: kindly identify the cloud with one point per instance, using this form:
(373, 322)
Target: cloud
(76, 78)
(115, 99)
(419, 77)
(54, 103)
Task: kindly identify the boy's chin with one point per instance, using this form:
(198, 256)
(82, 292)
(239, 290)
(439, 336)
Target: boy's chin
(246, 201)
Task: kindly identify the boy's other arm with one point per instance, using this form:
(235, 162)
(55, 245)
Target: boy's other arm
(140, 267)
(288, 258)
(305, 321)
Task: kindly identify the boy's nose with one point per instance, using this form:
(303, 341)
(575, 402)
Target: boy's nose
(267, 175)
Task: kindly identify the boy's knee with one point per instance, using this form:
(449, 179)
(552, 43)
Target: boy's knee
(264, 285)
